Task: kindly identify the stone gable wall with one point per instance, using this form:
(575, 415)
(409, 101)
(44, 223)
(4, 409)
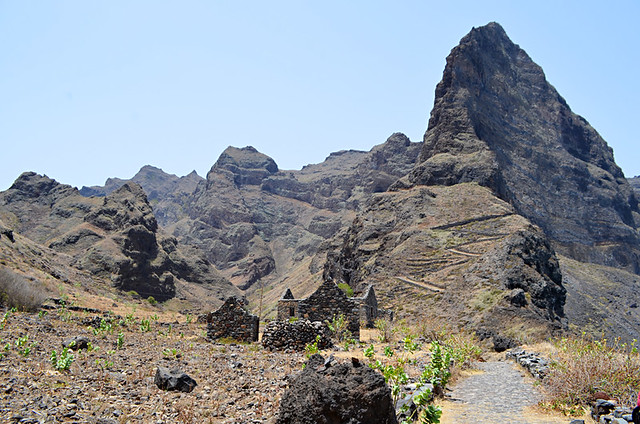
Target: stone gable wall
(233, 321)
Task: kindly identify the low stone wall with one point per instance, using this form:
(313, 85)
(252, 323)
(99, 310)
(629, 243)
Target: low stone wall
(532, 362)
(233, 321)
(294, 336)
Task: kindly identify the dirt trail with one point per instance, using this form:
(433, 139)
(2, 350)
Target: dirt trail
(498, 393)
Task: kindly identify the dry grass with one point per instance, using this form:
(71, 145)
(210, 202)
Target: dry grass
(18, 292)
(583, 366)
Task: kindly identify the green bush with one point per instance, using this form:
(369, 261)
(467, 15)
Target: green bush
(63, 361)
(346, 288)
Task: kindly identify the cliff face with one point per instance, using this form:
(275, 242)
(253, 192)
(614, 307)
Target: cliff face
(497, 121)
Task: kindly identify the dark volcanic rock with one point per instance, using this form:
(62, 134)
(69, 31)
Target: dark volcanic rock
(174, 379)
(526, 261)
(327, 392)
(497, 121)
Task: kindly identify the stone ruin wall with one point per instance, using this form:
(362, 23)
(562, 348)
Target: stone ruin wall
(233, 321)
(329, 301)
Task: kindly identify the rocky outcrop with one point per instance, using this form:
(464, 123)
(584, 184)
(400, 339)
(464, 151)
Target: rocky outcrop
(497, 121)
(463, 249)
(329, 392)
(114, 237)
(166, 192)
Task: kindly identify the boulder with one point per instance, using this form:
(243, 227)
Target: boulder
(327, 392)
(174, 379)
(76, 343)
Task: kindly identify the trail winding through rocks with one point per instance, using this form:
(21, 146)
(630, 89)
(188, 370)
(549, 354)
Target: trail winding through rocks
(498, 393)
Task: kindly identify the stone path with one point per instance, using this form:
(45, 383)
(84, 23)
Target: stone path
(499, 393)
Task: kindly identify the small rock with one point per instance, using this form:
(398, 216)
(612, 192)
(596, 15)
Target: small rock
(76, 343)
(174, 379)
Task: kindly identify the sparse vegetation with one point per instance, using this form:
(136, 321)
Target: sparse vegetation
(338, 327)
(385, 329)
(63, 361)
(18, 292)
(346, 288)
(582, 366)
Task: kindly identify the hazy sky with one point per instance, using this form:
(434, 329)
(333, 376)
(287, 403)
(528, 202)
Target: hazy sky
(94, 89)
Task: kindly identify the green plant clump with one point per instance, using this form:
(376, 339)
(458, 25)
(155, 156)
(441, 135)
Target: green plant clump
(63, 361)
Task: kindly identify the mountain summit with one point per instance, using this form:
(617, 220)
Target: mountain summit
(498, 122)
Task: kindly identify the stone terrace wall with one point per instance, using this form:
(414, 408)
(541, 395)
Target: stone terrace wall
(233, 321)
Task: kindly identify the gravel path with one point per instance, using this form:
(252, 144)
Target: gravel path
(498, 394)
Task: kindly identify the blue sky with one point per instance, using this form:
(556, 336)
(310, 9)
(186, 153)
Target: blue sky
(92, 90)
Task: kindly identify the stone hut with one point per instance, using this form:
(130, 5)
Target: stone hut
(329, 301)
(233, 321)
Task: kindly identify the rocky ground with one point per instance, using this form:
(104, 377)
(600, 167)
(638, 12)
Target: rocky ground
(235, 383)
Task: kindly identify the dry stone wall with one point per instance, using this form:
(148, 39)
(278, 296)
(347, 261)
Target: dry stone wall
(233, 321)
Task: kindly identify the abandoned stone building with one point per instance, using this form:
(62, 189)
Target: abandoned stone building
(329, 301)
(233, 321)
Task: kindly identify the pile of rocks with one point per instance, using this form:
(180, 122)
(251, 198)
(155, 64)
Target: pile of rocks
(608, 412)
(295, 335)
(531, 361)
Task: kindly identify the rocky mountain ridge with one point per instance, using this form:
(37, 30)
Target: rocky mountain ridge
(463, 226)
(115, 238)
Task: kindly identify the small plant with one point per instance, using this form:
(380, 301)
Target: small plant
(350, 342)
(338, 327)
(120, 340)
(42, 314)
(4, 320)
(437, 372)
(293, 319)
(104, 328)
(104, 364)
(385, 330)
(24, 349)
(189, 318)
(346, 288)
(173, 352)
(152, 300)
(63, 361)
(145, 325)
(311, 349)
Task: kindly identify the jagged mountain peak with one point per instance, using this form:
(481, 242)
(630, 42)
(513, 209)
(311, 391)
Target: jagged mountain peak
(498, 122)
(247, 165)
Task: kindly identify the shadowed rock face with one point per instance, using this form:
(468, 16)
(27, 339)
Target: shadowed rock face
(497, 121)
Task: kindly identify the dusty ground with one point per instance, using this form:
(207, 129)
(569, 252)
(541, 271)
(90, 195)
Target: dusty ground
(236, 383)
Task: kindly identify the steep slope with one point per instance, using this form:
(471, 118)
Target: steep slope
(497, 121)
(457, 254)
(114, 238)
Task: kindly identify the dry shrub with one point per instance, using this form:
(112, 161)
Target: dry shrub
(583, 366)
(17, 292)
